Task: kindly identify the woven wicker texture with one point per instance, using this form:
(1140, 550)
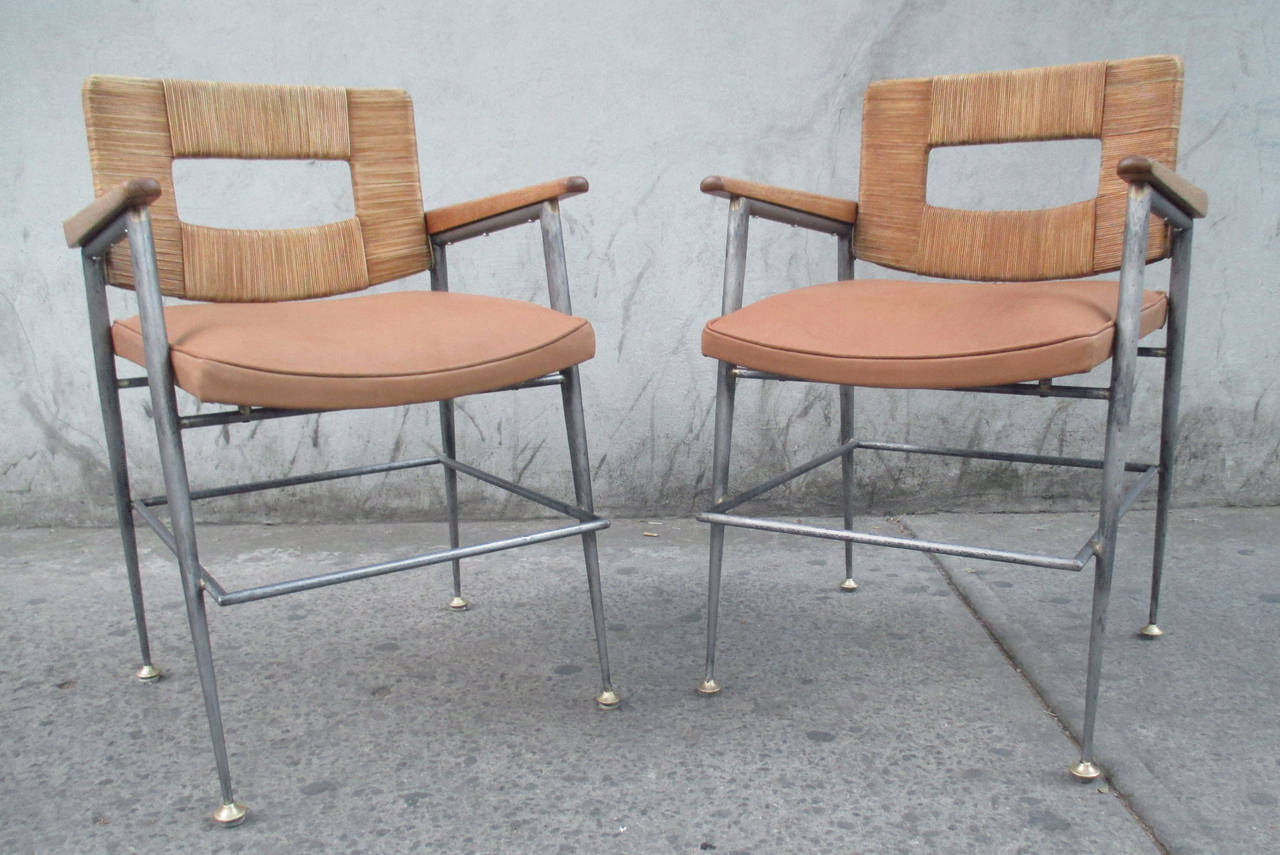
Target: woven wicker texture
(1132, 106)
(1061, 102)
(128, 132)
(243, 265)
(250, 120)
(384, 180)
(1141, 116)
(136, 127)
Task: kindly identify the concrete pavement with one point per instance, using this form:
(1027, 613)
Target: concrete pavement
(929, 712)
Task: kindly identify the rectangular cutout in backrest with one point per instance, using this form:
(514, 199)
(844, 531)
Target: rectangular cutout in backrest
(1014, 176)
(263, 194)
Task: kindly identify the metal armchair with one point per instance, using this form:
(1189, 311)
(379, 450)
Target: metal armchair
(1028, 319)
(255, 340)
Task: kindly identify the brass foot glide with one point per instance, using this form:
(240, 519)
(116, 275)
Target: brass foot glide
(1085, 771)
(230, 815)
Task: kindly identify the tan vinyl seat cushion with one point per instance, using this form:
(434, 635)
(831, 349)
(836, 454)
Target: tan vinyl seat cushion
(375, 350)
(927, 335)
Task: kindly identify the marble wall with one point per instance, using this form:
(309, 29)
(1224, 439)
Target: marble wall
(645, 99)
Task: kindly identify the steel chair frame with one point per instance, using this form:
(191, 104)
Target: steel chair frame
(1148, 192)
(129, 217)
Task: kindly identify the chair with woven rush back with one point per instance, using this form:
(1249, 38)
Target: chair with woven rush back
(255, 338)
(1025, 317)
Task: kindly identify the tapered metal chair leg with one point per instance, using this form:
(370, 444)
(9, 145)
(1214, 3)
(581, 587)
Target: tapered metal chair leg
(164, 407)
(725, 388)
(1108, 524)
(109, 401)
(129, 540)
(709, 686)
(846, 477)
(608, 698)
(1123, 369)
(1175, 330)
(580, 462)
(1086, 770)
(448, 445)
(844, 271)
(1164, 489)
(230, 813)
(448, 442)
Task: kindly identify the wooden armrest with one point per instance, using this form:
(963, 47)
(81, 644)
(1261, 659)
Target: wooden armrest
(464, 213)
(829, 207)
(99, 214)
(1189, 198)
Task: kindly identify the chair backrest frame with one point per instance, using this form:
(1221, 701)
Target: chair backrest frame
(137, 127)
(1132, 106)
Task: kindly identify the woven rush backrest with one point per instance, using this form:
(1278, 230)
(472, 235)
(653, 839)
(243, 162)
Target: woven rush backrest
(137, 127)
(1132, 106)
